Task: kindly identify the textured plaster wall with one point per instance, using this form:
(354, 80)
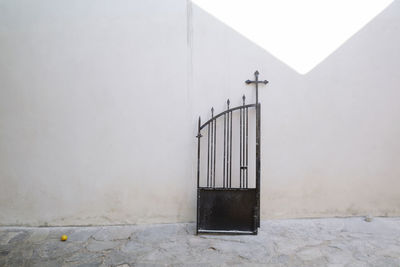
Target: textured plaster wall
(99, 103)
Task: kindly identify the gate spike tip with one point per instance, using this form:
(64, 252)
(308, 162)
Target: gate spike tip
(244, 99)
(256, 73)
(212, 112)
(228, 102)
(199, 134)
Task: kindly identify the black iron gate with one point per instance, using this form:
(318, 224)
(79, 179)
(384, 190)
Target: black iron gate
(223, 207)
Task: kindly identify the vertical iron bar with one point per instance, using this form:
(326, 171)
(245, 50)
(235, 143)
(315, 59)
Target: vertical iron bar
(211, 152)
(230, 161)
(247, 147)
(258, 154)
(212, 146)
(215, 148)
(228, 148)
(258, 160)
(198, 174)
(241, 148)
(224, 151)
(228, 151)
(244, 166)
(258, 145)
(208, 153)
(198, 152)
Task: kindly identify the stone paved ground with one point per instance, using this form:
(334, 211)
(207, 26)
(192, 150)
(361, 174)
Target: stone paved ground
(305, 242)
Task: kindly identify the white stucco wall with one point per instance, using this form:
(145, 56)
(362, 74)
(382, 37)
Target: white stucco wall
(95, 123)
(99, 103)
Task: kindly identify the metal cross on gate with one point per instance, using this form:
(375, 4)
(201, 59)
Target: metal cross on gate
(256, 82)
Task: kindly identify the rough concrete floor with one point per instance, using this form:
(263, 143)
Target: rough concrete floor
(305, 242)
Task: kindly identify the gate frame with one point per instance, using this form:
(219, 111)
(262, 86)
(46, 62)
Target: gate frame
(256, 211)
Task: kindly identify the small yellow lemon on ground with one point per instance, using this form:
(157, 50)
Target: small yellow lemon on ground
(64, 238)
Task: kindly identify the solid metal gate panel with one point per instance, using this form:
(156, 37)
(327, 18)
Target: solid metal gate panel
(227, 207)
(224, 210)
